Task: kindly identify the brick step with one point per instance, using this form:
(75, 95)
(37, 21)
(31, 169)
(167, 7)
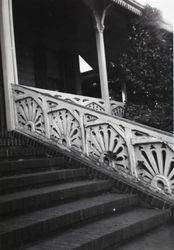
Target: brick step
(20, 151)
(45, 196)
(6, 134)
(101, 234)
(10, 142)
(15, 231)
(5, 142)
(28, 181)
(8, 168)
(160, 238)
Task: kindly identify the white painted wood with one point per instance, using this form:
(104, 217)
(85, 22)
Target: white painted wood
(131, 152)
(8, 57)
(103, 69)
(98, 104)
(129, 148)
(124, 92)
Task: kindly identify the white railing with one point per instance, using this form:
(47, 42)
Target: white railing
(134, 149)
(117, 108)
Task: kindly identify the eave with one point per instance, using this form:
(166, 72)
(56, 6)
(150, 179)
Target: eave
(131, 5)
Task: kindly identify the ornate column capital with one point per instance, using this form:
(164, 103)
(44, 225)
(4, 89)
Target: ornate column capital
(99, 19)
(99, 10)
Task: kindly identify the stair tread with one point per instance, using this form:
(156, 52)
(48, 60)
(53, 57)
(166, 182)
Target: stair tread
(47, 190)
(160, 239)
(77, 238)
(22, 221)
(23, 162)
(51, 171)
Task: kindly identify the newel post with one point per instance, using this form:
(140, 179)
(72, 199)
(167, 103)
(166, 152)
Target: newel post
(8, 53)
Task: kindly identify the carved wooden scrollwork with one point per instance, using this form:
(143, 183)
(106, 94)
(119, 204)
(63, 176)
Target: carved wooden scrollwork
(123, 146)
(30, 115)
(155, 165)
(95, 106)
(118, 111)
(65, 129)
(106, 144)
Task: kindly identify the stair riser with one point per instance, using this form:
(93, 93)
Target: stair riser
(19, 152)
(123, 234)
(19, 184)
(46, 199)
(13, 168)
(16, 238)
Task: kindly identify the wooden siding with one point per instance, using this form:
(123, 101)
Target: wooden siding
(25, 63)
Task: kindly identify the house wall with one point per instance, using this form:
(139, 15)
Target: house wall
(45, 64)
(50, 36)
(25, 64)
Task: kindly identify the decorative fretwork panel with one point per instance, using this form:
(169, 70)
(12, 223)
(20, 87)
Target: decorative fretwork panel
(155, 165)
(117, 108)
(95, 106)
(118, 111)
(65, 129)
(30, 116)
(106, 144)
(135, 150)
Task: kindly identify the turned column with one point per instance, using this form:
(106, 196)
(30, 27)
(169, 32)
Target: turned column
(99, 9)
(99, 28)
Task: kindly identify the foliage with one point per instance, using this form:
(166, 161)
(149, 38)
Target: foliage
(146, 66)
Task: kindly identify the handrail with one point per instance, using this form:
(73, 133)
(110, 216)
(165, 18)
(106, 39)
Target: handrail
(122, 145)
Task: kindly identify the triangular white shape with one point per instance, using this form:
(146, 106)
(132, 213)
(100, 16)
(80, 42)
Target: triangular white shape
(84, 66)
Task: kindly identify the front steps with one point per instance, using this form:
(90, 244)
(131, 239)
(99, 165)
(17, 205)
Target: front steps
(160, 238)
(16, 146)
(49, 204)
(100, 234)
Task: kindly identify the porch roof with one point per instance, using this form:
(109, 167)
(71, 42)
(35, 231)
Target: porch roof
(131, 5)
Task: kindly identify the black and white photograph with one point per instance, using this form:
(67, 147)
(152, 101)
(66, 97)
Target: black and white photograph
(86, 125)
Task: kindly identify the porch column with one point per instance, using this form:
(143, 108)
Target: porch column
(99, 27)
(8, 58)
(99, 9)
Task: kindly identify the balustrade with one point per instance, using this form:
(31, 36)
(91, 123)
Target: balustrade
(121, 145)
(117, 108)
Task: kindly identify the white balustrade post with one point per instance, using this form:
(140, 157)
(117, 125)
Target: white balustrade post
(45, 110)
(82, 127)
(131, 151)
(8, 58)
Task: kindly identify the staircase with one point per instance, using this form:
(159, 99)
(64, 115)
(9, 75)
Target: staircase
(51, 202)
